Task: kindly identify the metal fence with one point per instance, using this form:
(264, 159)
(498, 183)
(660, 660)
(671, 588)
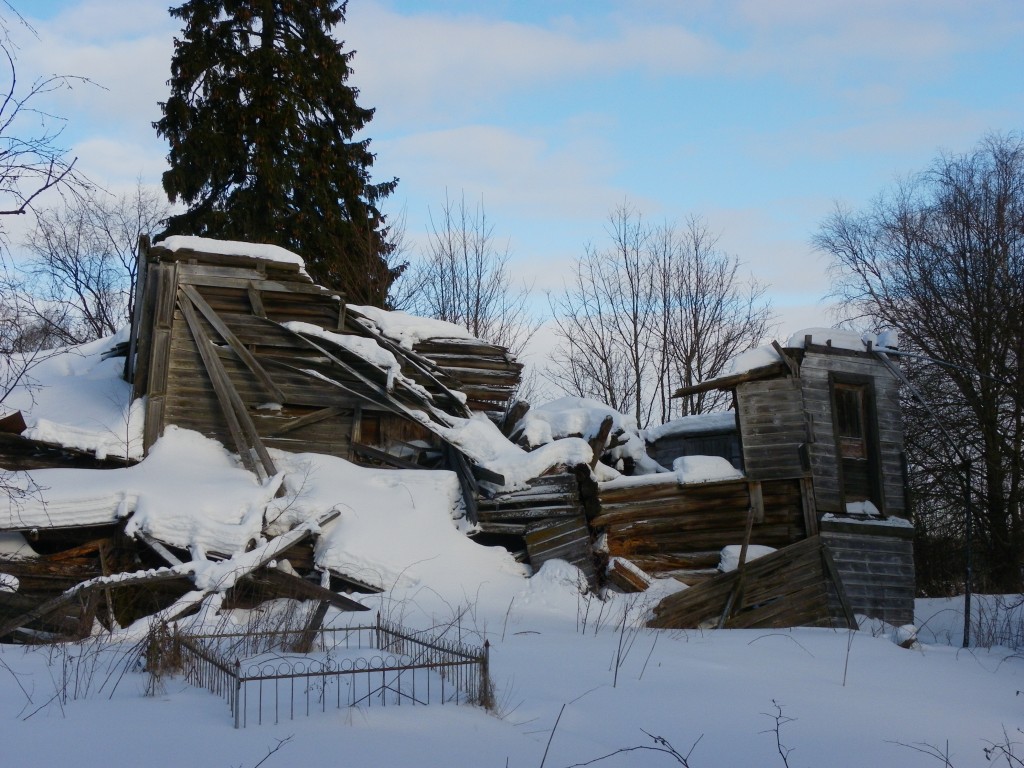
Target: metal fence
(263, 678)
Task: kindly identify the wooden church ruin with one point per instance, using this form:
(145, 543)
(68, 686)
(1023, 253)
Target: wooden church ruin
(240, 345)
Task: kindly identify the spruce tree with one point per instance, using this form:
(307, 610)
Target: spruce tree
(261, 125)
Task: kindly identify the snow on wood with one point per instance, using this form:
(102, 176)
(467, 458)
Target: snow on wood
(409, 330)
(260, 251)
(704, 469)
(693, 425)
(300, 373)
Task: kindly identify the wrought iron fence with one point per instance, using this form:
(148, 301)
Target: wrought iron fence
(262, 676)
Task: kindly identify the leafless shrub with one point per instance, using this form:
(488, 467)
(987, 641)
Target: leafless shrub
(780, 720)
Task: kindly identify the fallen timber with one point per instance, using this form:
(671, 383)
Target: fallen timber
(70, 613)
(678, 530)
(787, 588)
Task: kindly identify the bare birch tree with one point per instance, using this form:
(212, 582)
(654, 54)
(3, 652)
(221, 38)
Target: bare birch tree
(464, 277)
(708, 313)
(605, 320)
(658, 308)
(84, 261)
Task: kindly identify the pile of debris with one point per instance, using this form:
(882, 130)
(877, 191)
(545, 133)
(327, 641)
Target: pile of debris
(233, 345)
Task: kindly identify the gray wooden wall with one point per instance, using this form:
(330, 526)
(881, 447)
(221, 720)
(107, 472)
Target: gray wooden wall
(817, 399)
(876, 565)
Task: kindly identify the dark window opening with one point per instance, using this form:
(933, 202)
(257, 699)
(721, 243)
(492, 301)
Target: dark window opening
(851, 420)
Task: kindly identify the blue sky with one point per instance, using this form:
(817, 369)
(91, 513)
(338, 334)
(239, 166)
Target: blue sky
(756, 115)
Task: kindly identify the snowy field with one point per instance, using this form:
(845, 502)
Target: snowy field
(845, 699)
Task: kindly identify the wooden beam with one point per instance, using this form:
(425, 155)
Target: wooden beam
(467, 482)
(305, 642)
(166, 554)
(381, 391)
(791, 364)
(756, 501)
(735, 600)
(256, 300)
(239, 348)
(243, 431)
(600, 440)
(375, 453)
(837, 582)
(305, 421)
(66, 597)
(249, 562)
(728, 382)
(296, 586)
(420, 363)
(104, 552)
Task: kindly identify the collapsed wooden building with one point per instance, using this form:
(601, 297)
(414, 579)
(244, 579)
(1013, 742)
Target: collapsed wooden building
(239, 345)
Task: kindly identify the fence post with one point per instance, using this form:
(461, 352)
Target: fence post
(486, 694)
(380, 641)
(238, 692)
(175, 647)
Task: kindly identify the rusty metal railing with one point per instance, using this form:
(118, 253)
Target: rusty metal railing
(262, 678)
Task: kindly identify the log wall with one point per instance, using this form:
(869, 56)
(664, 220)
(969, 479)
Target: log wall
(681, 529)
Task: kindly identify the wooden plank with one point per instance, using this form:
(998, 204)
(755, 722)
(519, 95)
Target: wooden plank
(292, 585)
(418, 364)
(756, 502)
(736, 593)
(303, 421)
(728, 382)
(239, 349)
(567, 540)
(627, 576)
(67, 597)
(169, 557)
(243, 432)
(788, 585)
(376, 454)
(837, 584)
(256, 301)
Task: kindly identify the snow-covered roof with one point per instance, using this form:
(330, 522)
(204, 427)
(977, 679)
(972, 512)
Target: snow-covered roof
(766, 359)
(409, 330)
(75, 398)
(210, 245)
(699, 424)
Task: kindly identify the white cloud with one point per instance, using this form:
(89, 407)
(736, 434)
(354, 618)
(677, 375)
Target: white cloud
(117, 165)
(428, 66)
(524, 174)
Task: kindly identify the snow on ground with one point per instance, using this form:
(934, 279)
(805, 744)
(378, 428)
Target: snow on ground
(854, 699)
